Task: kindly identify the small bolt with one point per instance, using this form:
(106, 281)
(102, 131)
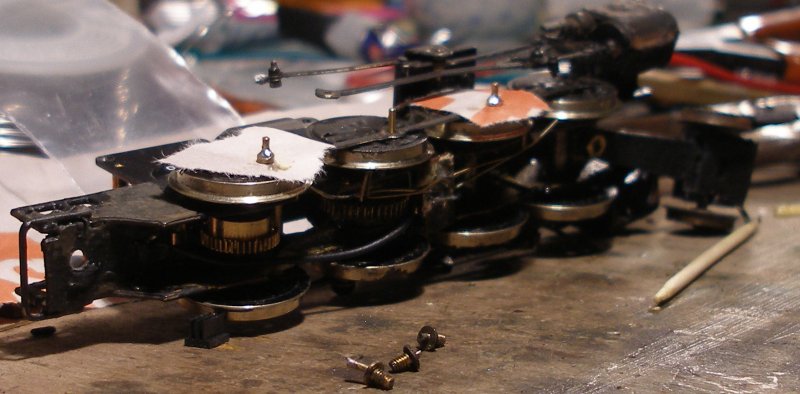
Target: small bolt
(274, 76)
(494, 99)
(409, 361)
(265, 155)
(374, 374)
(428, 339)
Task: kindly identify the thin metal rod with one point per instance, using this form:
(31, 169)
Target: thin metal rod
(488, 56)
(388, 63)
(384, 135)
(337, 70)
(335, 94)
(429, 123)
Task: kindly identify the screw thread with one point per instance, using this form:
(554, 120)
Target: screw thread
(400, 363)
(381, 380)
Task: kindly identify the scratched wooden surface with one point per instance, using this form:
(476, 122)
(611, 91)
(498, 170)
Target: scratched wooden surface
(548, 324)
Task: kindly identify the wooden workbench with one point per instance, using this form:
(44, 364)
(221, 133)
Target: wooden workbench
(578, 324)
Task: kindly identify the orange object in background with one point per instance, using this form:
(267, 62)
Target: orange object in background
(779, 30)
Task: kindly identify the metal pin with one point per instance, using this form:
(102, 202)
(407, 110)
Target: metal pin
(494, 99)
(392, 126)
(265, 155)
(274, 76)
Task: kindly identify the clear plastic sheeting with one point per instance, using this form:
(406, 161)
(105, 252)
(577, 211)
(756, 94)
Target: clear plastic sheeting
(83, 79)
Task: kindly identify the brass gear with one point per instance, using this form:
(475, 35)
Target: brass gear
(242, 237)
(368, 212)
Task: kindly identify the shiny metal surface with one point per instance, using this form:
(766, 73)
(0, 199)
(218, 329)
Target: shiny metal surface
(480, 237)
(362, 159)
(470, 132)
(254, 302)
(245, 313)
(570, 212)
(578, 108)
(221, 189)
(402, 151)
(370, 273)
(243, 237)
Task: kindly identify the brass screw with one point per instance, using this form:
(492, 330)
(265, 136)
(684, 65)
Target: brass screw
(428, 339)
(409, 361)
(374, 374)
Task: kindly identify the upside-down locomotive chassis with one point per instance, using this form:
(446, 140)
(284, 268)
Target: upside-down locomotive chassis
(433, 192)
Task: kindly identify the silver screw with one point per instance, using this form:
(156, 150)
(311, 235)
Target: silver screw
(265, 155)
(494, 99)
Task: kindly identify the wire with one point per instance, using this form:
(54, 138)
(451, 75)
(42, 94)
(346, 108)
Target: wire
(717, 72)
(358, 251)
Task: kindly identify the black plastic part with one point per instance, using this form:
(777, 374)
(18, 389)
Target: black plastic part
(207, 331)
(43, 332)
(426, 59)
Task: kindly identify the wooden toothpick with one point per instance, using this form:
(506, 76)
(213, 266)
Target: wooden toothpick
(701, 263)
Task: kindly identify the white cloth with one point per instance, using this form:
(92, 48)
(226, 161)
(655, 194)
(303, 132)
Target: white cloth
(296, 158)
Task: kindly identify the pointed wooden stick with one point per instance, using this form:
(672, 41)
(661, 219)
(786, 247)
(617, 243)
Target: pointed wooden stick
(703, 262)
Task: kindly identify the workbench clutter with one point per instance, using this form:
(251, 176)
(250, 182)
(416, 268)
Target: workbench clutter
(451, 198)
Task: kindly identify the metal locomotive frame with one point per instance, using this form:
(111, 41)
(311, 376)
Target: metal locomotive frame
(435, 189)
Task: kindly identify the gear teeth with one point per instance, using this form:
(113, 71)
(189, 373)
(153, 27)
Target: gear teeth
(369, 212)
(240, 247)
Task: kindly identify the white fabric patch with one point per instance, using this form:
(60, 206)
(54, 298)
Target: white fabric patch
(296, 158)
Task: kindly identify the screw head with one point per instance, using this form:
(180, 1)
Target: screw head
(265, 155)
(429, 339)
(413, 356)
(494, 99)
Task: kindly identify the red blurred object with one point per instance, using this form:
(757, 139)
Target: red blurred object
(717, 72)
